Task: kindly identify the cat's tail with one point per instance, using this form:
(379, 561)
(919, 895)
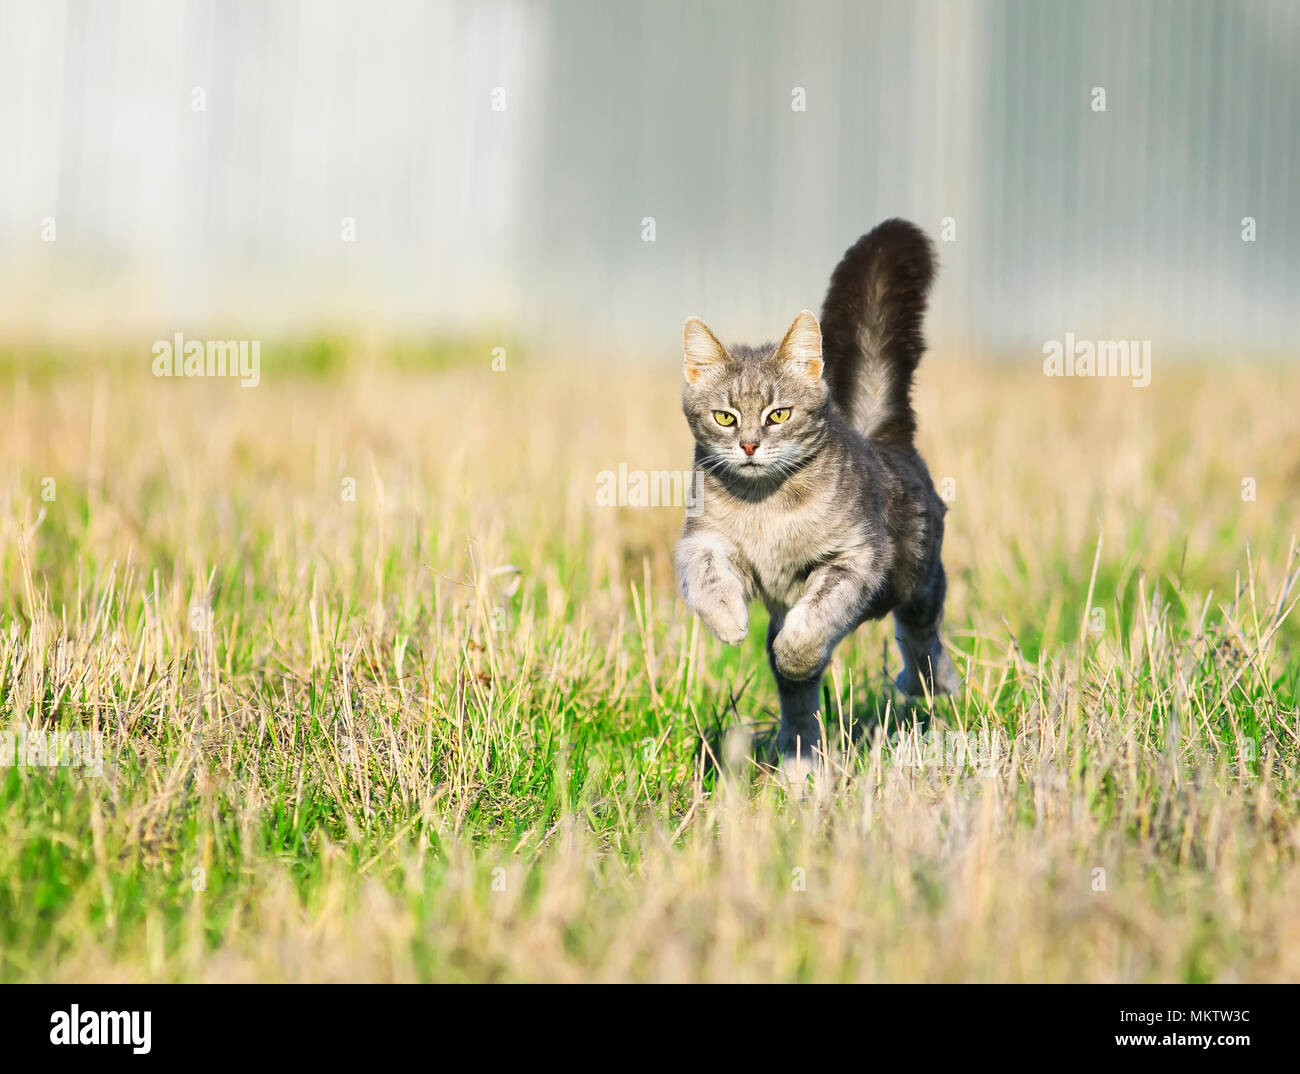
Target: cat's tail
(871, 328)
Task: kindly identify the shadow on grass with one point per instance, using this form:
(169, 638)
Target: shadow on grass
(850, 725)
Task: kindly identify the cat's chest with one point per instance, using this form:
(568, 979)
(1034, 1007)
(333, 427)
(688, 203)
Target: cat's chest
(778, 548)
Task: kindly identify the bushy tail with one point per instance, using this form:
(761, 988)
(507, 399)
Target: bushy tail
(871, 328)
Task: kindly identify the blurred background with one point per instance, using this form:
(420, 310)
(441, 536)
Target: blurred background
(588, 173)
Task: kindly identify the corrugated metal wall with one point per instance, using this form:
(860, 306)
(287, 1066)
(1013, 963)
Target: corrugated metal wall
(1123, 223)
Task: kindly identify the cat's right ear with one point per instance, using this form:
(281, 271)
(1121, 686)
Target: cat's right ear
(700, 349)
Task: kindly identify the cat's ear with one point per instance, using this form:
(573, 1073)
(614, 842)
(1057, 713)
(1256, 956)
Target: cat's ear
(700, 349)
(803, 344)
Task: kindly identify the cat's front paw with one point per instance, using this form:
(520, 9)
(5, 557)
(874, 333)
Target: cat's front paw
(728, 620)
(799, 652)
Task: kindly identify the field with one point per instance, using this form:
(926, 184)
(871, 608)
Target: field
(384, 693)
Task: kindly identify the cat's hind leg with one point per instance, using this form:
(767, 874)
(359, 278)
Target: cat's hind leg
(927, 668)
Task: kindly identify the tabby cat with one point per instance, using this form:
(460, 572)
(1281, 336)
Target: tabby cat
(814, 499)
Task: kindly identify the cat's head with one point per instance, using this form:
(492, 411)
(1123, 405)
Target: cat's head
(756, 412)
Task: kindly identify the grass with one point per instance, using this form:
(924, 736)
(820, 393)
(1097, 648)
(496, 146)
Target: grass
(460, 728)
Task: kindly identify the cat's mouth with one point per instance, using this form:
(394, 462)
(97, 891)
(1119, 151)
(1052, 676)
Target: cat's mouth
(747, 467)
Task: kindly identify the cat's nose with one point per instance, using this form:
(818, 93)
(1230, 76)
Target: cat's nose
(749, 446)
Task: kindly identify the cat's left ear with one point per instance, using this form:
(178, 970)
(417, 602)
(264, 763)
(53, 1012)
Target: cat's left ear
(803, 344)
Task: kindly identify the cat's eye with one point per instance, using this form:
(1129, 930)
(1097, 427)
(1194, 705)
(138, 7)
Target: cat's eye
(724, 419)
(779, 415)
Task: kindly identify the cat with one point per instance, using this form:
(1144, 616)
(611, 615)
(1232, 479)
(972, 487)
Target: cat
(813, 497)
